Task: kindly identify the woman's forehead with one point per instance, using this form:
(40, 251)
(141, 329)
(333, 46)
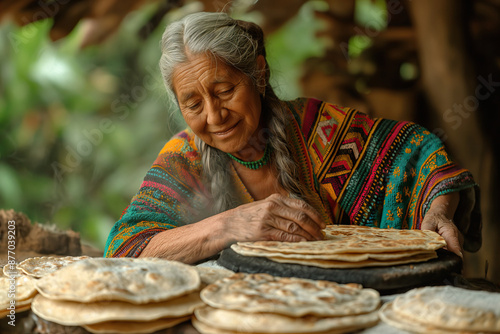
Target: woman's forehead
(210, 65)
(205, 70)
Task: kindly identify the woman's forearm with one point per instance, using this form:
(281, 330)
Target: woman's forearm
(277, 218)
(445, 204)
(189, 243)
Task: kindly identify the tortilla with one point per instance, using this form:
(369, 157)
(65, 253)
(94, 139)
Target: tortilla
(451, 308)
(12, 271)
(19, 309)
(289, 296)
(207, 329)
(211, 275)
(134, 327)
(389, 316)
(138, 281)
(275, 323)
(341, 239)
(71, 313)
(360, 264)
(20, 306)
(347, 257)
(24, 290)
(40, 266)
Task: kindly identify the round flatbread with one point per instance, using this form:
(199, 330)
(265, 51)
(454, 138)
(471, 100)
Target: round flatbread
(289, 296)
(138, 281)
(210, 275)
(276, 323)
(346, 257)
(207, 329)
(24, 290)
(41, 266)
(19, 309)
(451, 308)
(341, 239)
(12, 271)
(360, 264)
(71, 313)
(390, 317)
(134, 327)
(21, 303)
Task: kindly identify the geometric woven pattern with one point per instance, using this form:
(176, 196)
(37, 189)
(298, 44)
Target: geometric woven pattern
(348, 153)
(336, 148)
(373, 170)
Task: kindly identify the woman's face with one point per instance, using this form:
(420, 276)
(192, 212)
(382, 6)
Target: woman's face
(219, 103)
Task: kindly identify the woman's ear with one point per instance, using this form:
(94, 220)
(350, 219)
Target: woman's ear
(261, 63)
(261, 69)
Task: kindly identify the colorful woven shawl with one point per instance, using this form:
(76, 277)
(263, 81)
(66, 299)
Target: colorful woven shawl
(354, 170)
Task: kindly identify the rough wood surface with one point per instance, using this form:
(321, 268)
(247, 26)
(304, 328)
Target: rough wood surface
(37, 238)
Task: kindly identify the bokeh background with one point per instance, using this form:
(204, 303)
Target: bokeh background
(83, 111)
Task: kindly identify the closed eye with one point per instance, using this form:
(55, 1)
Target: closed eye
(226, 91)
(194, 106)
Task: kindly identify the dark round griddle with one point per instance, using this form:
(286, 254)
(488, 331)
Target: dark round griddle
(384, 279)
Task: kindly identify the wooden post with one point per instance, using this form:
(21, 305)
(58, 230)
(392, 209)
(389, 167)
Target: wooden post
(451, 86)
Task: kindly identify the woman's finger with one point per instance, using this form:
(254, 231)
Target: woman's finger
(280, 235)
(296, 219)
(450, 233)
(293, 228)
(445, 228)
(308, 209)
(299, 212)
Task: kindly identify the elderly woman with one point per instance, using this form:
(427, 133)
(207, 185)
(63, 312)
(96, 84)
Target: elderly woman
(252, 167)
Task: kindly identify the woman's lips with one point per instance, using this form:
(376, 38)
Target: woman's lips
(226, 132)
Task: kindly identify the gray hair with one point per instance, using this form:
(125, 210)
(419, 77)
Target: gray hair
(238, 44)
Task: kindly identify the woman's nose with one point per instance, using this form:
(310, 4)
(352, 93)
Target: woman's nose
(216, 114)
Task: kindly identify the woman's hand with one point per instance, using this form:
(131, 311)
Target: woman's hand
(438, 219)
(277, 218)
(274, 218)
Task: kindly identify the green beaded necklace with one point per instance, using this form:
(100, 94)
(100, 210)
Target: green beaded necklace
(255, 164)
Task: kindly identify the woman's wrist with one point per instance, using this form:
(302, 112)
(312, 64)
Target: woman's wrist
(216, 231)
(189, 243)
(445, 205)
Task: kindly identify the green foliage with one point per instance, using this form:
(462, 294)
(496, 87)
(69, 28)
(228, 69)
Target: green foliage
(290, 46)
(80, 128)
(372, 16)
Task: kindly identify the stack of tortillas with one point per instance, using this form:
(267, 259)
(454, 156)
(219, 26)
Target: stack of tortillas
(443, 310)
(16, 295)
(349, 246)
(38, 267)
(119, 295)
(17, 286)
(261, 303)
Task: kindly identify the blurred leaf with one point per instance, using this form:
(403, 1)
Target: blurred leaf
(10, 189)
(285, 58)
(372, 14)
